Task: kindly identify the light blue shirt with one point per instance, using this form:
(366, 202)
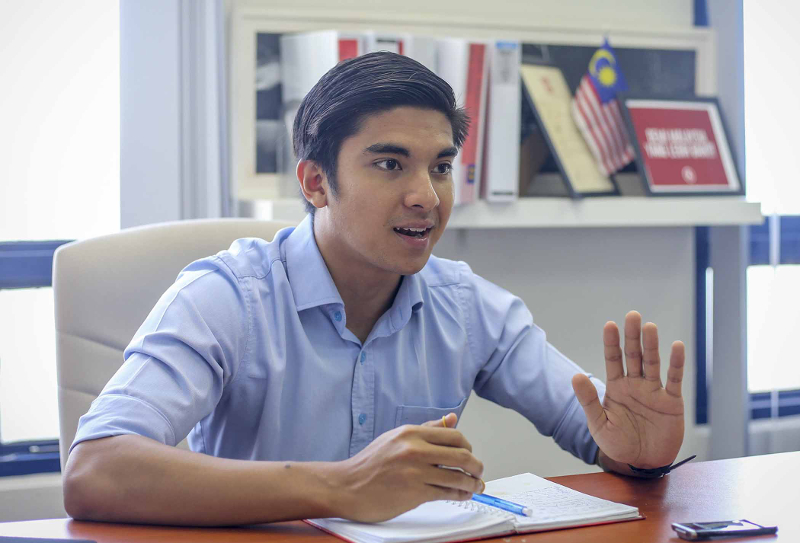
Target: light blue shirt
(248, 354)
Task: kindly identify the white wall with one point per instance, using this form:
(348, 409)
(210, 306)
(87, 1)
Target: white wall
(574, 281)
(150, 105)
(645, 14)
(31, 497)
(172, 103)
(59, 128)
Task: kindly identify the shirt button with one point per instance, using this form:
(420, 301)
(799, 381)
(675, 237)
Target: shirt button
(338, 316)
(363, 357)
(362, 418)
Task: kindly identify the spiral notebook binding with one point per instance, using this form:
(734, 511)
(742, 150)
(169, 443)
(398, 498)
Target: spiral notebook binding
(471, 505)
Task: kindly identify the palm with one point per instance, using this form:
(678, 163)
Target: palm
(640, 422)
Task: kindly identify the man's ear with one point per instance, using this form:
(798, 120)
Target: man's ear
(313, 183)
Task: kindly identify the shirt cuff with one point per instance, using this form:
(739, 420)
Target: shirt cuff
(114, 414)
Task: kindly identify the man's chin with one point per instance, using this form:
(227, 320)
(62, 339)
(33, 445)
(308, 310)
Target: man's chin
(410, 268)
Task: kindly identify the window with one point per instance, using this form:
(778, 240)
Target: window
(59, 181)
(28, 421)
(772, 115)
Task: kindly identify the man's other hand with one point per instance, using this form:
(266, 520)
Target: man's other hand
(406, 467)
(640, 421)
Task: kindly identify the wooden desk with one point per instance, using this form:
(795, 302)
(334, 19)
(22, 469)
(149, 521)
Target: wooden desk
(759, 488)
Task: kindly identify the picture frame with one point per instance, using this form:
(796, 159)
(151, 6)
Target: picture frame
(546, 91)
(682, 146)
(261, 155)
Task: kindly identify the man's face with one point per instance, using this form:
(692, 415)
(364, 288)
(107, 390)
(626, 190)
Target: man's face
(395, 191)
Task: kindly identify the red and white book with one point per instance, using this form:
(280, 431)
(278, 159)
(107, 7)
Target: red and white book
(464, 65)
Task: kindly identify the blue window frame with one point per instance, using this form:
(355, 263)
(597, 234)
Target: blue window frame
(762, 404)
(702, 256)
(28, 264)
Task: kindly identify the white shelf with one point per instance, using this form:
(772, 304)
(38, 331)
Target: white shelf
(619, 211)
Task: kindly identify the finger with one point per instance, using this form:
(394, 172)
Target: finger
(651, 361)
(633, 344)
(675, 372)
(448, 421)
(451, 478)
(612, 352)
(446, 437)
(460, 460)
(441, 493)
(587, 396)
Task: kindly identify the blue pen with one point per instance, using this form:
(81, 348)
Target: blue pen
(503, 504)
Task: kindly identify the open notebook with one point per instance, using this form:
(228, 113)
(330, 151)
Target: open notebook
(554, 506)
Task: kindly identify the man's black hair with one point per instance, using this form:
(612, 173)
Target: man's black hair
(373, 83)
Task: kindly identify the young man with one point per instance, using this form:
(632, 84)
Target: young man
(322, 374)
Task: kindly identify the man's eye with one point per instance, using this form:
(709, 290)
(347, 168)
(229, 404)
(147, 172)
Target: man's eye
(444, 168)
(389, 164)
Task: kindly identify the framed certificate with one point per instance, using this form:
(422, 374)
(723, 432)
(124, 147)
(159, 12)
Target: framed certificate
(681, 146)
(548, 94)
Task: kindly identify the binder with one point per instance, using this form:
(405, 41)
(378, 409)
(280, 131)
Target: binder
(500, 176)
(306, 57)
(465, 65)
(420, 48)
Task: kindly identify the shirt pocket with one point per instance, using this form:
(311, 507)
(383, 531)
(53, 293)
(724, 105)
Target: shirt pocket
(411, 414)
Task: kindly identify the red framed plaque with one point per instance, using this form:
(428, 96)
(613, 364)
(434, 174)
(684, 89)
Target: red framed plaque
(681, 146)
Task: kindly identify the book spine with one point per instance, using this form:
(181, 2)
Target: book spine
(501, 158)
(474, 102)
(348, 48)
(451, 63)
(423, 50)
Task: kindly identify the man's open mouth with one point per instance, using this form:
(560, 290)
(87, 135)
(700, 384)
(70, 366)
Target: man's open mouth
(413, 232)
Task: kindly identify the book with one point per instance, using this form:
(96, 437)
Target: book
(554, 507)
(306, 57)
(464, 64)
(500, 176)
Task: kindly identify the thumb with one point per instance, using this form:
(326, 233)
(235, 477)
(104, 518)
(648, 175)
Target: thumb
(448, 421)
(587, 396)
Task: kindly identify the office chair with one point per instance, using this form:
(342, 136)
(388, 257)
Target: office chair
(105, 287)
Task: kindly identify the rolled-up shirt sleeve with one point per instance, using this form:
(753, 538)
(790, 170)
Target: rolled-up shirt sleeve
(178, 362)
(524, 372)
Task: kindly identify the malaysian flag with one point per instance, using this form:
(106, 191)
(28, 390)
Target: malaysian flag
(596, 111)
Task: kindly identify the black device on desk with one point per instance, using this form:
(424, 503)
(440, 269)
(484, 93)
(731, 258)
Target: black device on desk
(704, 530)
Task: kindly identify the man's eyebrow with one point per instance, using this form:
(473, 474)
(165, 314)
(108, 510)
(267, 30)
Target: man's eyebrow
(393, 149)
(388, 148)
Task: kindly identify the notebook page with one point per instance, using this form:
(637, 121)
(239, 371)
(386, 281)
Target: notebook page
(553, 504)
(430, 522)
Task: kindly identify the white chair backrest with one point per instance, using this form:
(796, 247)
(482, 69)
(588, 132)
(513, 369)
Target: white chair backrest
(105, 287)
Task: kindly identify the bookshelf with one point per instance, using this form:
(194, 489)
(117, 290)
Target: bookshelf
(613, 211)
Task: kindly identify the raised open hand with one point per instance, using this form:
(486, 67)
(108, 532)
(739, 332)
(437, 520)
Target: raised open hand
(640, 422)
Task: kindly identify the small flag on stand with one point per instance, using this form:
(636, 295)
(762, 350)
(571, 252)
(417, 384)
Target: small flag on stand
(596, 111)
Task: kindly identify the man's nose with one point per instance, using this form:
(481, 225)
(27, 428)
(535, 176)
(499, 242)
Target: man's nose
(421, 192)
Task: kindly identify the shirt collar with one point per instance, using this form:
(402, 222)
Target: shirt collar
(310, 280)
(312, 284)
(407, 301)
